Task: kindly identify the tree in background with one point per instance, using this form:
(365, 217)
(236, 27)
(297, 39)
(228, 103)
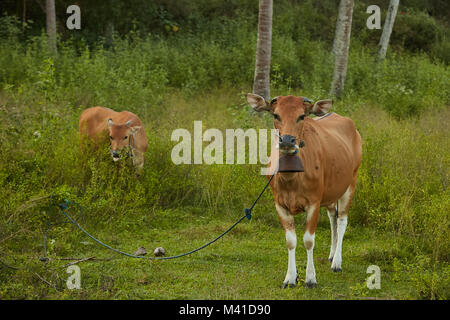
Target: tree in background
(341, 46)
(261, 81)
(51, 24)
(387, 29)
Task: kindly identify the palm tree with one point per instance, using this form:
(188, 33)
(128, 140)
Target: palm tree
(51, 24)
(387, 29)
(261, 82)
(341, 46)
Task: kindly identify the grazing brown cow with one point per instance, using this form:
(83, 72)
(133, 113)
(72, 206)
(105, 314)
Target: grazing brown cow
(331, 157)
(124, 129)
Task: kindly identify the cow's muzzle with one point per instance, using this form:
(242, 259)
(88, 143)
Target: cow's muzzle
(287, 144)
(115, 155)
(288, 161)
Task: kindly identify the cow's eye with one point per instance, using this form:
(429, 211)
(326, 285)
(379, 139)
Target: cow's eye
(125, 137)
(301, 118)
(110, 137)
(276, 117)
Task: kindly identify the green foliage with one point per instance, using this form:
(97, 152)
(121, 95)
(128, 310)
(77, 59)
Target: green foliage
(402, 184)
(11, 27)
(430, 280)
(406, 27)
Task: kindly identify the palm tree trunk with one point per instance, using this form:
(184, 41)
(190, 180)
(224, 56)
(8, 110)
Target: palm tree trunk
(51, 24)
(24, 14)
(387, 29)
(109, 33)
(341, 46)
(261, 82)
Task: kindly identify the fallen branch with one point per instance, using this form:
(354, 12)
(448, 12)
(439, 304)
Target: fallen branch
(25, 206)
(78, 261)
(90, 258)
(49, 283)
(9, 266)
(374, 298)
(12, 234)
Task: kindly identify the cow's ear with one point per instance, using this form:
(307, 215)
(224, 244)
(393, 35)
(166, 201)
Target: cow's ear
(257, 102)
(321, 107)
(135, 129)
(110, 122)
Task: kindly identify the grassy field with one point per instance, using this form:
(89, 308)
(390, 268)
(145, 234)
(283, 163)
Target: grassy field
(183, 207)
(249, 263)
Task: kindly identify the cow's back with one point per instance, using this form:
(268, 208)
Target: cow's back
(93, 121)
(94, 124)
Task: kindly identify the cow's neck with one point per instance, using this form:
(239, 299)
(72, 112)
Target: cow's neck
(287, 177)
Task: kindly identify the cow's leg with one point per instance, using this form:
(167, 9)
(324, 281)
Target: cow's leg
(287, 221)
(343, 205)
(308, 240)
(138, 160)
(331, 210)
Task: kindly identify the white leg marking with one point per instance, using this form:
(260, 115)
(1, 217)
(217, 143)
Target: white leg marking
(283, 212)
(341, 225)
(308, 240)
(337, 259)
(310, 211)
(333, 225)
(138, 159)
(291, 243)
(343, 201)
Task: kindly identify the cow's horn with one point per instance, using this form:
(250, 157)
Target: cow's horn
(273, 100)
(307, 100)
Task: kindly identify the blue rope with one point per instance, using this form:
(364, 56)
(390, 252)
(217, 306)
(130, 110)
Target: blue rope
(248, 214)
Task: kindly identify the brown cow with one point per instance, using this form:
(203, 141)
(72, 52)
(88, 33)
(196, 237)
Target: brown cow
(124, 129)
(331, 157)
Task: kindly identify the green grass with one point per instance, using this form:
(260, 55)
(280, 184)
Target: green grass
(248, 263)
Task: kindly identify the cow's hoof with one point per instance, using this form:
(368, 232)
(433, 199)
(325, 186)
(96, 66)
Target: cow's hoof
(336, 269)
(310, 285)
(288, 285)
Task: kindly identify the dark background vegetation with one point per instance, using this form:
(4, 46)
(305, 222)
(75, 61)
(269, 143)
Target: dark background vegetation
(173, 62)
(313, 20)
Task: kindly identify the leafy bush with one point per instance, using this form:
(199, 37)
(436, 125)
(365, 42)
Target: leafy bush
(415, 31)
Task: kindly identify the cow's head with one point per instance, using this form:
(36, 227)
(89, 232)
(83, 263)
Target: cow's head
(289, 115)
(119, 135)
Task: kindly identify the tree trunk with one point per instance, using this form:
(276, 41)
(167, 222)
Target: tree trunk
(24, 14)
(387, 29)
(261, 82)
(51, 24)
(109, 33)
(341, 46)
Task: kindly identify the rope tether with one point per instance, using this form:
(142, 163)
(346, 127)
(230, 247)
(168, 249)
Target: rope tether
(248, 214)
